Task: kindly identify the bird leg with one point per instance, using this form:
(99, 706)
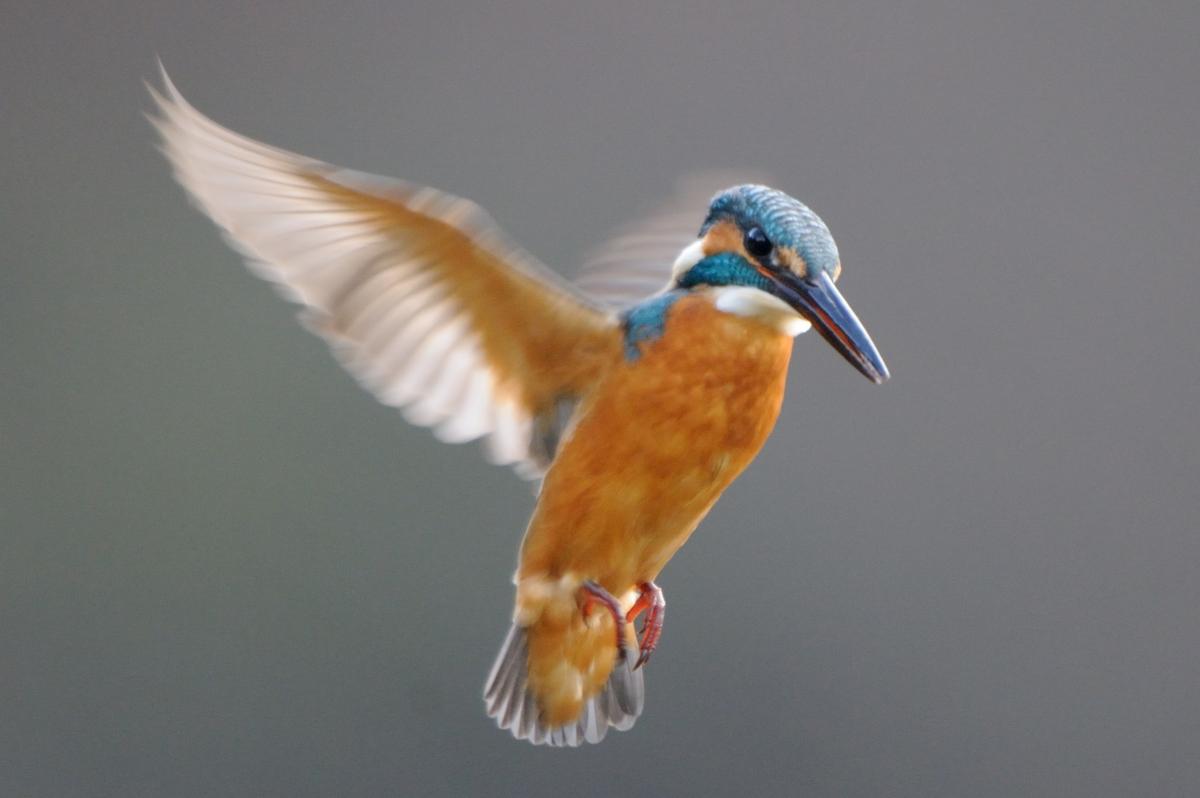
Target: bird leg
(650, 598)
(594, 594)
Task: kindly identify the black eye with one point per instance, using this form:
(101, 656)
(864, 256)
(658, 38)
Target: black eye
(757, 243)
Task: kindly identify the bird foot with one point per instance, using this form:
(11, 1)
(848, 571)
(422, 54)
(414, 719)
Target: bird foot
(594, 594)
(650, 598)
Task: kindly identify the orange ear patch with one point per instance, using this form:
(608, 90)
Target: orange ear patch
(724, 236)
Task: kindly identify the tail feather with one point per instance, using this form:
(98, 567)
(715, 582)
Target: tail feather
(514, 707)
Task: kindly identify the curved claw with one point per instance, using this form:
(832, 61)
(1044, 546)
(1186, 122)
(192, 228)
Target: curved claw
(650, 598)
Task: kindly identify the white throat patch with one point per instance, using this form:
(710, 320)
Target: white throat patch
(742, 300)
(692, 254)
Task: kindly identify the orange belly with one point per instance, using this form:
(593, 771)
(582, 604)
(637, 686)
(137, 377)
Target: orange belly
(653, 448)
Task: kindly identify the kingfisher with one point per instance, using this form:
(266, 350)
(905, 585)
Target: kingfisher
(635, 404)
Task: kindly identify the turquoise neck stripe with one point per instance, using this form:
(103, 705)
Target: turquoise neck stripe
(644, 323)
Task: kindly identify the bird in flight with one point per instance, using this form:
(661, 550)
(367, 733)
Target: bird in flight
(636, 396)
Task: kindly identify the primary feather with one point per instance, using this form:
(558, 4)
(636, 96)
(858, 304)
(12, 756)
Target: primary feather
(418, 292)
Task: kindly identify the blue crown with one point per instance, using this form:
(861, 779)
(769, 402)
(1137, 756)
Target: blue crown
(786, 221)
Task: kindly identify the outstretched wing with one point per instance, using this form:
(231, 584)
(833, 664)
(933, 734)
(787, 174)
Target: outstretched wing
(636, 261)
(418, 292)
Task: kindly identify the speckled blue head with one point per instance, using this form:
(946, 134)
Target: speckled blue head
(758, 238)
(798, 234)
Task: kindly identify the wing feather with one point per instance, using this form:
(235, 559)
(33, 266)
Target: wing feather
(418, 292)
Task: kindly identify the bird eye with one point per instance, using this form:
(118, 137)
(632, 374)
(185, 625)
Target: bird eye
(757, 243)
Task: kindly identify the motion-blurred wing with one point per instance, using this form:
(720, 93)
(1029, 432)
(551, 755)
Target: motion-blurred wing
(636, 262)
(418, 292)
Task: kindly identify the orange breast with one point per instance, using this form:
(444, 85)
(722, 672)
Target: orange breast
(656, 443)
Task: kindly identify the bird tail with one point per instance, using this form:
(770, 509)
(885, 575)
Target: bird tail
(514, 705)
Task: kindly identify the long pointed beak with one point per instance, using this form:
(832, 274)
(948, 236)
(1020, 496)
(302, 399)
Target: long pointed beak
(819, 301)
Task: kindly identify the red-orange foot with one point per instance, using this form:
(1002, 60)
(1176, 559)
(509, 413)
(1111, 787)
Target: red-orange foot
(650, 598)
(594, 594)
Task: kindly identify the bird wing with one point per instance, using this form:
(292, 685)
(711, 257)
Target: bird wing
(635, 262)
(418, 292)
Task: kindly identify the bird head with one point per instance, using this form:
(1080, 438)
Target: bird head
(762, 240)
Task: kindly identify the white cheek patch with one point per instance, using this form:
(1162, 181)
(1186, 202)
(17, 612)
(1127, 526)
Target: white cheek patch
(692, 254)
(752, 303)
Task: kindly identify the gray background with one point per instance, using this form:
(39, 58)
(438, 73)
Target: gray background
(225, 571)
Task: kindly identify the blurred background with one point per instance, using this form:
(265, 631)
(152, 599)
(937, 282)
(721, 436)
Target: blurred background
(225, 570)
